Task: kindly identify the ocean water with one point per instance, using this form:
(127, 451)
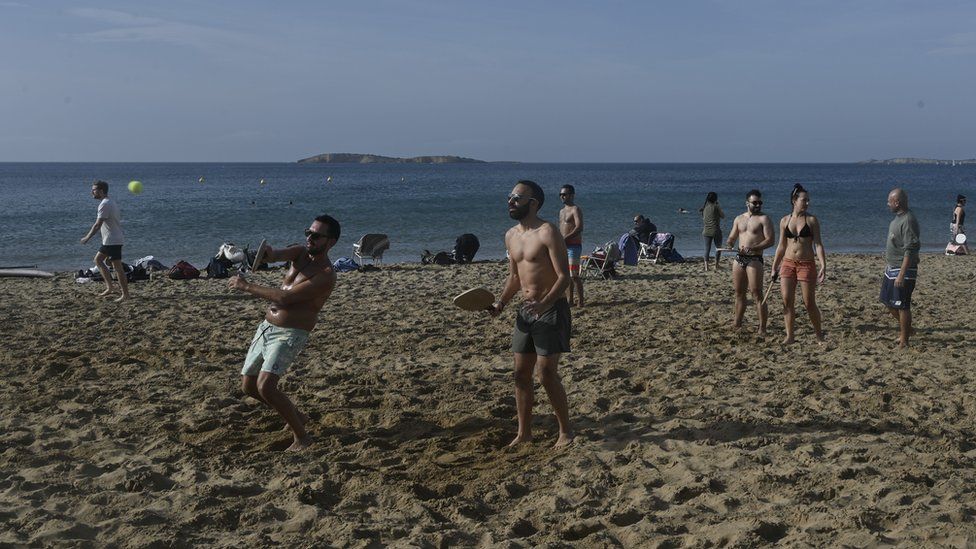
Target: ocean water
(48, 206)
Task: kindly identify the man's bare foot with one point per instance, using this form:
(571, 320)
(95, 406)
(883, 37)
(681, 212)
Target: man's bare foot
(762, 334)
(519, 440)
(821, 339)
(565, 439)
(107, 293)
(122, 297)
(788, 340)
(300, 444)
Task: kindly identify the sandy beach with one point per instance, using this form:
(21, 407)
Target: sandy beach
(125, 424)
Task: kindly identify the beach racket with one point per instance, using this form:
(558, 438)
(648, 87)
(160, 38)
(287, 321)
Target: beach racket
(960, 239)
(259, 257)
(475, 299)
(768, 289)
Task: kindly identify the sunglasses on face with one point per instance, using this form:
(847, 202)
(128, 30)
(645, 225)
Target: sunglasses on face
(309, 233)
(757, 203)
(516, 197)
(565, 194)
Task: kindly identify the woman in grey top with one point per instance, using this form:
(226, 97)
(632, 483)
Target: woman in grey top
(712, 232)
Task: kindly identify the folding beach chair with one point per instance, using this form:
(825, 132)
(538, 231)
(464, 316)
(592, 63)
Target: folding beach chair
(600, 263)
(371, 246)
(661, 243)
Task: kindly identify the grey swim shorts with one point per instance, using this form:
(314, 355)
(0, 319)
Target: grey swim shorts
(546, 335)
(273, 349)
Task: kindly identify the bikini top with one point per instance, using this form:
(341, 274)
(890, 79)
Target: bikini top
(805, 232)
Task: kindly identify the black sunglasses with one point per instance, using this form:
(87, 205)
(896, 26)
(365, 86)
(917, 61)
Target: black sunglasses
(309, 233)
(757, 203)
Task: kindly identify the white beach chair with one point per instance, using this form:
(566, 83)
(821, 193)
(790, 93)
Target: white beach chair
(371, 246)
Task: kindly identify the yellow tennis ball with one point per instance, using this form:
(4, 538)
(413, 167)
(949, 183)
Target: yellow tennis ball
(135, 187)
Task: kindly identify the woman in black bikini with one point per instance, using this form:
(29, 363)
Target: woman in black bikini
(799, 244)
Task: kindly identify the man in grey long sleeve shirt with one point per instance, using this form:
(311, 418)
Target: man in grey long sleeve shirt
(901, 255)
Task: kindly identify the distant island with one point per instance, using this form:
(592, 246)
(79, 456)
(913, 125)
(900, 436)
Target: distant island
(919, 161)
(350, 158)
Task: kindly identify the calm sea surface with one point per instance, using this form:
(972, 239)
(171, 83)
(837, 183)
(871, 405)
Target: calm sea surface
(48, 206)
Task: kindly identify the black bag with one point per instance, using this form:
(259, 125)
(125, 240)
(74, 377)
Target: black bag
(218, 267)
(465, 247)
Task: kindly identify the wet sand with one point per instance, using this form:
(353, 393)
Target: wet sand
(125, 424)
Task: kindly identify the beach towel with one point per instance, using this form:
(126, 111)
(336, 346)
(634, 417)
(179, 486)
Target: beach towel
(344, 265)
(628, 248)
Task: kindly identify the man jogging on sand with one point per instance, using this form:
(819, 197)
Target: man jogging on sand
(538, 267)
(292, 314)
(108, 221)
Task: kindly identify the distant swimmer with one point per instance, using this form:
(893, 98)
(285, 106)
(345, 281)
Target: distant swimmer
(682, 211)
(571, 227)
(292, 313)
(754, 231)
(538, 267)
(108, 221)
(794, 262)
(901, 256)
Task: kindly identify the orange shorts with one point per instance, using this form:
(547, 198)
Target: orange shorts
(804, 271)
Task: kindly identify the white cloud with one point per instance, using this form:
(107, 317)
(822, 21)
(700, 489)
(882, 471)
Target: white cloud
(135, 28)
(963, 43)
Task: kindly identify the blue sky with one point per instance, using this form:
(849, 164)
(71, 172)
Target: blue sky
(611, 81)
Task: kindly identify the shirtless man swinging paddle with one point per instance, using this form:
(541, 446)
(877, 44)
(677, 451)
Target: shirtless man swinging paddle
(539, 267)
(292, 314)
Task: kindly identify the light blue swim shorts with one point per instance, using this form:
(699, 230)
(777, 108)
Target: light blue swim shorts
(273, 349)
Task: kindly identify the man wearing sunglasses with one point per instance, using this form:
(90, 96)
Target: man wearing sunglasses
(571, 227)
(292, 313)
(754, 231)
(538, 266)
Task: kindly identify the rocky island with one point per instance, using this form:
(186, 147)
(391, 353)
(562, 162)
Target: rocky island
(893, 161)
(351, 158)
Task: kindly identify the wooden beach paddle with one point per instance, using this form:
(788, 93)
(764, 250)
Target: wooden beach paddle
(768, 289)
(475, 299)
(259, 256)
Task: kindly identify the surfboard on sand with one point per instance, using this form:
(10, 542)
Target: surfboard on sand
(259, 257)
(475, 299)
(25, 273)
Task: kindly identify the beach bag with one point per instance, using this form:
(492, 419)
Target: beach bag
(465, 247)
(136, 273)
(183, 271)
(231, 253)
(955, 249)
(219, 267)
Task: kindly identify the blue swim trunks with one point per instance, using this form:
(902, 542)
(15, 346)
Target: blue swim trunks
(575, 251)
(273, 349)
(893, 296)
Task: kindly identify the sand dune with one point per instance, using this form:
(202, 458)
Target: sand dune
(125, 424)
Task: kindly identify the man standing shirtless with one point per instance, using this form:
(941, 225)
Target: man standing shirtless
(571, 227)
(538, 266)
(754, 230)
(292, 314)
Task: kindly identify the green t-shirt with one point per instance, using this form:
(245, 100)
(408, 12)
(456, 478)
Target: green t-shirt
(903, 239)
(711, 213)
